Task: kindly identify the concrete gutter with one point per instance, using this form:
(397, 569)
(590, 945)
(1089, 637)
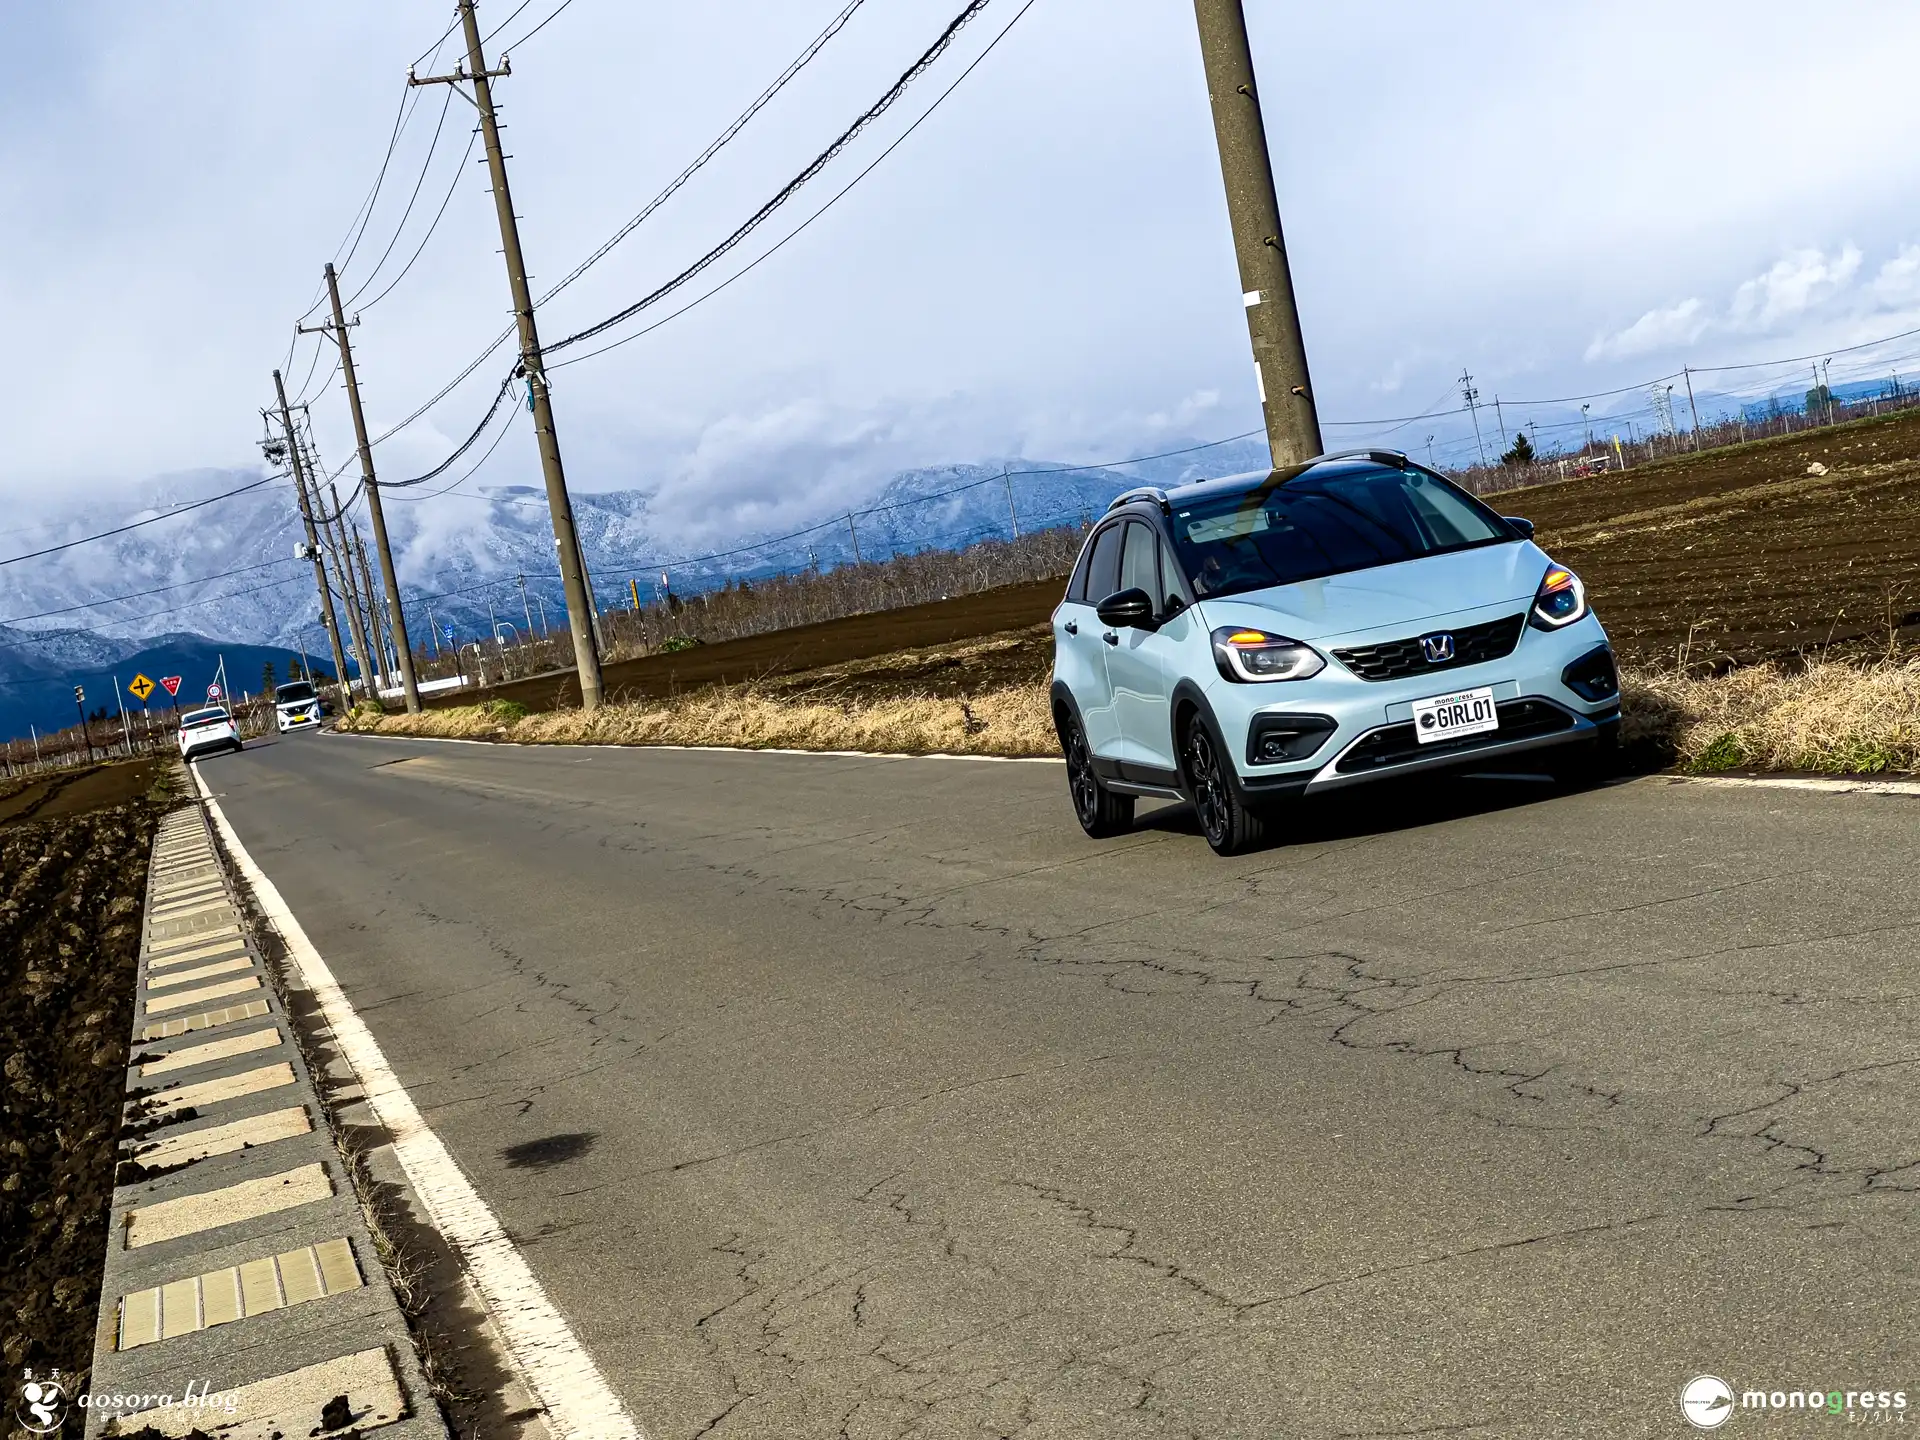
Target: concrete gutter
(243, 1292)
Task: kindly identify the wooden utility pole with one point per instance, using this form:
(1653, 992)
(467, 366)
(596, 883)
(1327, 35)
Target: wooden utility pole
(375, 634)
(580, 613)
(1266, 283)
(350, 590)
(313, 543)
(396, 616)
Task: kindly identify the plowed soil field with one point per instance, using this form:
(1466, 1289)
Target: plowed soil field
(1731, 556)
(1740, 554)
(72, 880)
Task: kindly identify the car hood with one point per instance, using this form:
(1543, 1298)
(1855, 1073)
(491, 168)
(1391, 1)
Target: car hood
(1400, 596)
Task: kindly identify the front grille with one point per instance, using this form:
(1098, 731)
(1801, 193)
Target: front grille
(1396, 659)
(1519, 720)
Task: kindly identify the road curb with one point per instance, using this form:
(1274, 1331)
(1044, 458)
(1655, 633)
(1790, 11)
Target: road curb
(243, 1290)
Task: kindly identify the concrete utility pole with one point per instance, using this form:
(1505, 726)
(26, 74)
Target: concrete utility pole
(580, 612)
(396, 617)
(350, 591)
(375, 635)
(1266, 284)
(1692, 407)
(313, 542)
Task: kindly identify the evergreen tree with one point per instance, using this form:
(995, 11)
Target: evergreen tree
(1521, 453)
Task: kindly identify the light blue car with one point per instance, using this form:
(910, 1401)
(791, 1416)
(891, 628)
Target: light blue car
(1242, 642)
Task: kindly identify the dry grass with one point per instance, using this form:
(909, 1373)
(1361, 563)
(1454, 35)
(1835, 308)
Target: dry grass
(1828, 716)
(1011, 721)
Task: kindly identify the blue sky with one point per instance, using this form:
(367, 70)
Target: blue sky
(1563, 199)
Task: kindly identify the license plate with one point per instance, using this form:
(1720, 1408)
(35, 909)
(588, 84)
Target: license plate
(1445, 717)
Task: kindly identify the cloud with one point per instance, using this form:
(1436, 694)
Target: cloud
(1898, 281)
(1794, 284)
(1680, 324)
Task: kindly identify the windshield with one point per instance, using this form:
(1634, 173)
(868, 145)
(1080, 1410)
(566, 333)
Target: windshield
(297, 690)
(203, 717)
(1305, 525)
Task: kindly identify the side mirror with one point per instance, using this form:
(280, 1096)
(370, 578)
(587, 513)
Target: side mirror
(1525, 527)
(1128, 610)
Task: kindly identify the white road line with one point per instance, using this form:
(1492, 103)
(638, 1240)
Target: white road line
(555, 1366)
(1835, 785)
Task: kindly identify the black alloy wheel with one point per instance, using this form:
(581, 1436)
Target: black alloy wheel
(1101, 813)
(1230, 827)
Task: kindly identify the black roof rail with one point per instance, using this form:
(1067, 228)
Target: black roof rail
(1140, 492)
(1395, 458)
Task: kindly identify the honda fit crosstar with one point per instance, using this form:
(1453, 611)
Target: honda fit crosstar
(1244, 641)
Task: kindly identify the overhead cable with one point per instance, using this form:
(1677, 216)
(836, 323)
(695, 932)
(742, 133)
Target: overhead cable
(786, 192)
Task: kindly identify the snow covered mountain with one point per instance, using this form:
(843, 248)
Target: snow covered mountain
(461, 556)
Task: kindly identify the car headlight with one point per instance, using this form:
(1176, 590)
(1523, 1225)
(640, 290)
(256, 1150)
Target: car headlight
(1244, 655)
(1560, 600)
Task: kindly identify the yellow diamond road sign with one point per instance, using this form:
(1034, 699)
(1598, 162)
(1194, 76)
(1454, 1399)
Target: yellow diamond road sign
(141, 687)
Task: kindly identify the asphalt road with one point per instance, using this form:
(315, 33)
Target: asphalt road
(835, 1096)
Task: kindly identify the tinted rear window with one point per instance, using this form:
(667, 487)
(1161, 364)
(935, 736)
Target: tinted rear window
(1304, 525)
(1103, 570)
(203, 717)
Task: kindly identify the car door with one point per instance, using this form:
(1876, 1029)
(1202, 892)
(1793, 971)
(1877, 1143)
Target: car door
(1076, 636)
(1142, 665)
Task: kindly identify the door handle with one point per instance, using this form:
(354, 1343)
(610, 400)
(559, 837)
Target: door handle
(1111, 638)
(1072, 627)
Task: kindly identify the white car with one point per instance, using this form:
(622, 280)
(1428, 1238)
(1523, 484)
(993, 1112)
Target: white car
(296, 706)
(204, 731)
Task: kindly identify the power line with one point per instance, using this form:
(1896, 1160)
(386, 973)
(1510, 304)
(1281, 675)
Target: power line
(740, 122)
(426, 166)
(813, 167)
(799, 63)
(136, 524)
(452, 186)
(838, 195)
(512, 416)
(36, 636)
(150, 590)
(536, 29)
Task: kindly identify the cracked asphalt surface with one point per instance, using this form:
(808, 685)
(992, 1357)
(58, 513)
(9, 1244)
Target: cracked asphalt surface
(866, 1098)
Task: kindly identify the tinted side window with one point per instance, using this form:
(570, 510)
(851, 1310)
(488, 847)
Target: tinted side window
(1140, 562)
(1077, 586)
(1103, 573)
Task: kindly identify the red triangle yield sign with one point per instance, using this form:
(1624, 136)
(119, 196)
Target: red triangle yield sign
(172, 683)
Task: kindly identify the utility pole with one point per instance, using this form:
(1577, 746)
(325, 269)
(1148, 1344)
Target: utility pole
(1472, 397)
(856, 537)
(375, 635)
(396, 617)
(1012, 514)
(1692, 407)
(1266, 282)
(80, 704)
(350, 592)
(526, 606)
(313, 543)
(580, 613)
(1500, 420)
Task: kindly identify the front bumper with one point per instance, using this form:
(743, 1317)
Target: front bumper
(303, 720)
(1367, 731)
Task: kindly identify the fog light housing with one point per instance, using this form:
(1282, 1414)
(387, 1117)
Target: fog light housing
(1277, 739)
(1593, 677)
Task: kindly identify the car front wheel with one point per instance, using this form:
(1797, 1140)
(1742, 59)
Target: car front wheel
(1101, 813)
(1230, 827)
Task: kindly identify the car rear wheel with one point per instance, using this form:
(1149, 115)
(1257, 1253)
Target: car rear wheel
(1101, 813)
(1229, 825)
